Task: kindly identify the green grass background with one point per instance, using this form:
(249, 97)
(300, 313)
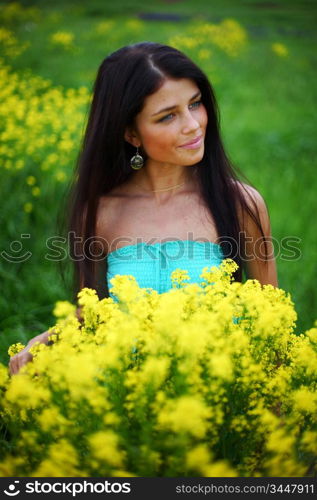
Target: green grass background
(268, 121)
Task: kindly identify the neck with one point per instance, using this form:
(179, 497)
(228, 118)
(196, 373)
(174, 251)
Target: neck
(161, 179)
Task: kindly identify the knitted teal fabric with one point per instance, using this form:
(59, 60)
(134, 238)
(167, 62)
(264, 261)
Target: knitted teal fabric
(152, 264)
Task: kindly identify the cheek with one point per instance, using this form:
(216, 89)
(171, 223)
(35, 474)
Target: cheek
(158, 142)
(204, 117)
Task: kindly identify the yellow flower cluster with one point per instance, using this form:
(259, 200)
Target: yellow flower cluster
(40, 128)
(280, 49)
(229, 36)
(10, 46)
(63, 39)
(134, 25)
(103, 27)
(204, 380)
(41, 123)
(14, 12)
(63, 309)
(15, 348)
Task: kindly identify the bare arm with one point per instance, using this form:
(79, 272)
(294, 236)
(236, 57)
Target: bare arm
(24, 356)
(257, 266)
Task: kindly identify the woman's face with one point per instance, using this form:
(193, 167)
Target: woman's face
(172, 124)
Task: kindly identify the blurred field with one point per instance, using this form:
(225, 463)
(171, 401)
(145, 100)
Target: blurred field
(261, 60)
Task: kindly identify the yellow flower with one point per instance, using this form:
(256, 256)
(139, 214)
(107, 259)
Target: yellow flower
(171, 416)
(198, 458)
(104, 27)
(176, 366)
(4, 376)
(280, 49)
(15, 12)
(26, 395)
(221, 468)
(60, 176)
(279, 441)
(134, 25)
(87, 297)
(62, 461)
(305, 400)
(10, 466)
(30, 180)
(228, 35)
(204, 54)
(221, 366)
(51, 418)
(28, 207)
(36, 191)
(105, 448)
(10, 45)
(15, 348)
(125, 288)
(63, 308)
(178, 276)
(309, 441)
(312, 334)
(62, 38)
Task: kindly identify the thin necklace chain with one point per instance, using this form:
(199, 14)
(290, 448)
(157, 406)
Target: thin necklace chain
(163, 189)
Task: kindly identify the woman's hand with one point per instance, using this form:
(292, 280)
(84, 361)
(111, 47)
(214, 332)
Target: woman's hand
(24, 356)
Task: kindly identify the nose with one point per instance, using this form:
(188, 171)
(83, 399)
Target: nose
(190, 123)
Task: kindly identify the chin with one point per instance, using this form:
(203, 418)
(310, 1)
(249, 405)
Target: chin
(196, 158)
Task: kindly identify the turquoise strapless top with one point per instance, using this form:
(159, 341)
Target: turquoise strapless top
(152, 264)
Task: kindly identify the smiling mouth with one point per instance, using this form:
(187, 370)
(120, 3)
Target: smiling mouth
(194, 143)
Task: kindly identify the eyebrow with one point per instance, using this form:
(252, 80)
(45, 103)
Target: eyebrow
(175, 106)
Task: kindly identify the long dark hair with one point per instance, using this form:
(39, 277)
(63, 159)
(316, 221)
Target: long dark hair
(125, 78)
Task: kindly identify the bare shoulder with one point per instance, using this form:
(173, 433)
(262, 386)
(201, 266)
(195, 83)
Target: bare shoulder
(106, 204)
(109, 211)
(106, 211)
(256, 205)
(260, 265)
(251, 196)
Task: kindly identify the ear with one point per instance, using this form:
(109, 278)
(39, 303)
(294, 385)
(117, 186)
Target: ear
(131, 136)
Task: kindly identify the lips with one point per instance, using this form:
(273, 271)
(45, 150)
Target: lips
(194, 143)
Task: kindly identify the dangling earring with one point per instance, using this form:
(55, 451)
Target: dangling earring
(137, 161)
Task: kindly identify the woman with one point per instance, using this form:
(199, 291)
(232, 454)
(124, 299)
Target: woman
(153, 178)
